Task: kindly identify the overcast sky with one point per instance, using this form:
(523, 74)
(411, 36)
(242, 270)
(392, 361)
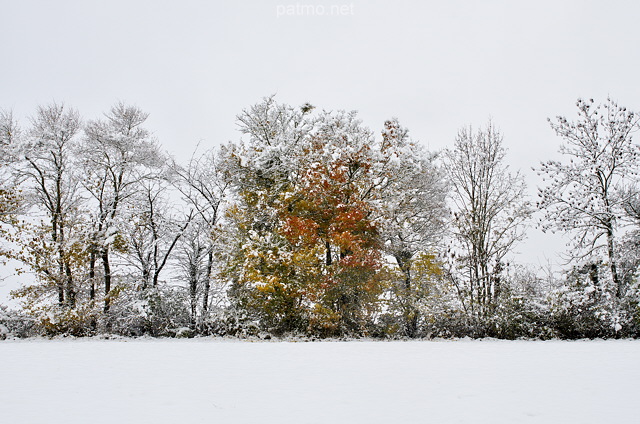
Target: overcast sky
(194, 65)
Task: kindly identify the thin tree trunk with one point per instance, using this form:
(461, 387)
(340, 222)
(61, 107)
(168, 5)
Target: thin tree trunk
(70, 296)
(193, 287)
(207, 282)
(158, 266)
(60, 291)
(412, 324)
(612, 263)
(471, 289)
(70, 293)
(145, 276)
(107, 279)
(411, 311)
(92, 275)
(59, 280)
(497, 283)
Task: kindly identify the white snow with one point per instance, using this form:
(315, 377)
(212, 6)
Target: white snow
(214, 381)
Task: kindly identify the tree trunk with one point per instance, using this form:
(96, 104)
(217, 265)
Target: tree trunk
(411, 328)
(471, 289)
(70, 293)
(92, 275)
(107, 279)
(193, 287)
(328, 259)
(411, 311)
(156, 276)
(207, 282)
(145, 274)
(496, 283)
(59, 280)
(60, 291)
(612, 263)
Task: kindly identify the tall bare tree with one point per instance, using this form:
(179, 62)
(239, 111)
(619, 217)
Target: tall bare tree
(153, 231)
(489, 210)
(47, 152)
(117, 154)
(204, 184)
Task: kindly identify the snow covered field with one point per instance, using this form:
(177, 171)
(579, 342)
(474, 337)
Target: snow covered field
(213, 381)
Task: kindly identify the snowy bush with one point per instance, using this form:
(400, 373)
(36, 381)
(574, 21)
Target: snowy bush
(14, 324)
(79, 321)
(585, 305)
(160, 312)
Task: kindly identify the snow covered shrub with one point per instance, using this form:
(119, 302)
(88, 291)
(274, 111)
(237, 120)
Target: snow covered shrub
(166, 311)
(14, 324)
(628, 317)
(517, 317)
(521, 309)
(235, 322)
(585, 306)
(629, 261)
(52, 319)
(215, 322)
(60, 320)
(160, 312)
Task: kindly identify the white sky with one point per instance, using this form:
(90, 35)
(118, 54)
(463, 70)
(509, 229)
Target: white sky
(193, 65)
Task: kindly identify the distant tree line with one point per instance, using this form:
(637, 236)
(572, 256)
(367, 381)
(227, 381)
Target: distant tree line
(313, 225)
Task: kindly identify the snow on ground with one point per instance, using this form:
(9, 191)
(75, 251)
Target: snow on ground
(216, 381)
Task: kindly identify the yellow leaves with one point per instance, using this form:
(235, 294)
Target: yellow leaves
(10, 200)
(58, 320)
(426, 266)
(114, 293)
(307, 258)
(324, 322)
(269, 284)
(238, 217)
(30, 296)
(119, 244)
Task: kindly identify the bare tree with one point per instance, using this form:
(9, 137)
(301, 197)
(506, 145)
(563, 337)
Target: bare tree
(194, 259)
(585, 196)
(204, 185)
(117, 154)
(489, 210)
(54, 186)
(153, 231)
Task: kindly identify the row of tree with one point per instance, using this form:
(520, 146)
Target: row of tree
(312, 225)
